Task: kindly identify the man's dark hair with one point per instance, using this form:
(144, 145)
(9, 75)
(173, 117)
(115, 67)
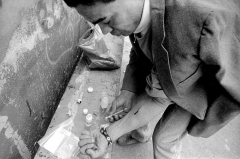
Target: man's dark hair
(75, 3)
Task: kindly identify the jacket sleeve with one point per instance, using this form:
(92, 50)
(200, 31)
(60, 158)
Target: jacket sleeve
(220, 51)
(136, 72)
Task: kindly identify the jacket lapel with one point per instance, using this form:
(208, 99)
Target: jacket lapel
(160, 54)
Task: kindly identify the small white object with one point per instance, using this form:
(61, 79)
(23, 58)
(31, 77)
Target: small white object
(88, 120)
(69, 113)
(90, 89)
(54, 141)
(104, 102)
(85, 111)
(79, 101)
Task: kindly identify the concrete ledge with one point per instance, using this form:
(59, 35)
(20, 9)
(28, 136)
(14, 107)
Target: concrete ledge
(81, 80)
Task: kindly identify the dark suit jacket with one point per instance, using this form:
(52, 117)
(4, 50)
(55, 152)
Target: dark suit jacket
(196, 50)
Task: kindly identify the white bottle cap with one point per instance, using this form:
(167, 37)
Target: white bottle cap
(85, 111)
(90, 89)
(89, 118)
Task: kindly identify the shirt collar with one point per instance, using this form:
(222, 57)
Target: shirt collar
(145, 19)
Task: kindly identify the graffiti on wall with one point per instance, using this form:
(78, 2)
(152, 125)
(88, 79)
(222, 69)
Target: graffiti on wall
(37, 51)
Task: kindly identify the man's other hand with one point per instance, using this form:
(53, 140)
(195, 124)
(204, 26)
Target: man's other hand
(93, 144)
(122, 102)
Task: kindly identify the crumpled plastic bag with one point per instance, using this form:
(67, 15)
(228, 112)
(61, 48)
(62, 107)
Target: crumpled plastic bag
(61, 143)
(96, 54)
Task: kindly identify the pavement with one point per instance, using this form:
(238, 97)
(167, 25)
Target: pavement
(225, 144)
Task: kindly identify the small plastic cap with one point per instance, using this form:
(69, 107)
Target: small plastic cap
(79, 101)
(85, 111)
(90, 89)
(89, 117)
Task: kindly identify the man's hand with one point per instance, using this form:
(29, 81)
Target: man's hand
(123, 101)
(93, 144)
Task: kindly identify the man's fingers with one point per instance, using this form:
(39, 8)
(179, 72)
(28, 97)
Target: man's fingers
(84, 156)
(85, 142)
(111, 119)
(84, 148)
(120, 116)
(116, 117)
(85, 132)
(126, 110)
(85, 137)
(91, 152)
(94, 153)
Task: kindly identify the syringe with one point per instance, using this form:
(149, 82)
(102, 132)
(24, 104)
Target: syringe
(106, 118)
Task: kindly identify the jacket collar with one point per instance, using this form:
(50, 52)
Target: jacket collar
(160, 54)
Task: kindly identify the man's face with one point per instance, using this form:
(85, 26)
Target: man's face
(120, 17)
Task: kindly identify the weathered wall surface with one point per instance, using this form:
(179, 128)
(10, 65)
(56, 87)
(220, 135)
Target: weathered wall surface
(38, 53)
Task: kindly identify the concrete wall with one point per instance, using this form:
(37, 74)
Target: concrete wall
(38, 53)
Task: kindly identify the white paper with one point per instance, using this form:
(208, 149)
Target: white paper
(54, 141)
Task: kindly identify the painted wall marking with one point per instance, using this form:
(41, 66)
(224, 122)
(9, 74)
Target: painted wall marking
(14, 137)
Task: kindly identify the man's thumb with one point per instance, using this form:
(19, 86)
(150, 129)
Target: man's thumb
(112, 108)
(116, 104)
(94, 153)
(90, 152)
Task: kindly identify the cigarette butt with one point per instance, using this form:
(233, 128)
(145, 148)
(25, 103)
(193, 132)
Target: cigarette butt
(79, 100)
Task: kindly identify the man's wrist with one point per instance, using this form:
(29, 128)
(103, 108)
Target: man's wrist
(104, 132)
